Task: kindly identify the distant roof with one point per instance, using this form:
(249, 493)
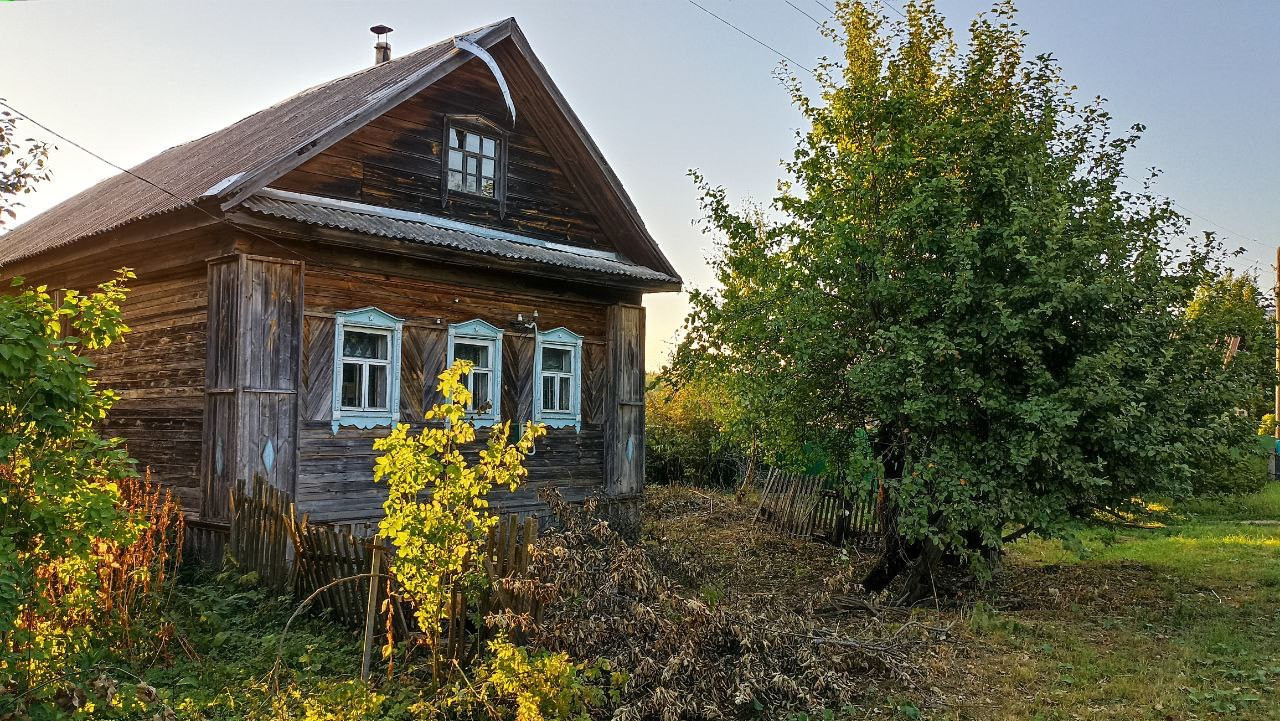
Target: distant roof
(445, 232)
(231, 164)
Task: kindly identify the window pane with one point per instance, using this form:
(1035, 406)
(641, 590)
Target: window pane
(377, 387)
(480, 394)
(473, 142)
(548, 393)
(351, 384)
(364, 345)
(455, 180)
(477, 354)
(455, 138)
(564, 393)
(471, 184)
(487, 168)
(455, 160)
(555, 359)
(472, 166)
(490, 147)
(486, 188)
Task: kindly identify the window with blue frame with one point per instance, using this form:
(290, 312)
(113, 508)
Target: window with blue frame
(480, 343)
(557, 391)
(366, 368)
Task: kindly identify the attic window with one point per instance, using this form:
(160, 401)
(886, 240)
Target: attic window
(473, 163)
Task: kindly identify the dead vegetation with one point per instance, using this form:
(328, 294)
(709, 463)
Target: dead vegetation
(745, 640)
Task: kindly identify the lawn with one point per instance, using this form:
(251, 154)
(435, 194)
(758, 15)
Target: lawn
(1170, 623)
(1178, 622)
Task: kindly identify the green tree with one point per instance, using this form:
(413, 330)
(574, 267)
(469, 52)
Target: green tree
(23, 164)
(1239, 315)
(959, 267)
(58, 495)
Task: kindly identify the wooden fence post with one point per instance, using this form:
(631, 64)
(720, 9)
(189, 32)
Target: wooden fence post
(371, 612)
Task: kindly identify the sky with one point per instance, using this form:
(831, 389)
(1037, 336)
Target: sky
(661, 85)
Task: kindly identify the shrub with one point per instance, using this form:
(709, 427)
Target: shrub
(60, 503)
(688, 436)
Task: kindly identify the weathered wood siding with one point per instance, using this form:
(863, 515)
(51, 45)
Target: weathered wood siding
(394, 161)
(158, 370)
(252, 376)
(624, 428)
(335, 472)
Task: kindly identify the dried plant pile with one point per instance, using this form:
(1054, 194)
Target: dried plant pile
(686, 658)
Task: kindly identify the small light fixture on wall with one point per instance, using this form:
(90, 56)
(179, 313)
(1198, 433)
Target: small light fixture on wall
(520, 322)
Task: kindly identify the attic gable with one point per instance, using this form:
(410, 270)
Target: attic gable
(396, 161)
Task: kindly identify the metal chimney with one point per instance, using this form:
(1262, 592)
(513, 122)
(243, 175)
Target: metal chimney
(382, 50)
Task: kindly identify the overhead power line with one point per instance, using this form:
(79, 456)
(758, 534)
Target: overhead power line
(190, 204)
(751, 37)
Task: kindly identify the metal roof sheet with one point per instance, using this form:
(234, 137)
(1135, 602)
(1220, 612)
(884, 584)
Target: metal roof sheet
(191, 170)
(421, 228)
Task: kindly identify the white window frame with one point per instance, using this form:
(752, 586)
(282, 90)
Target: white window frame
(564, 339)
(367, 320)
(480, 332)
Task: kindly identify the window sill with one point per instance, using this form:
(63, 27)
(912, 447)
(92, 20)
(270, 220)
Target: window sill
(558, 421)
(481, 421)
(364, 420)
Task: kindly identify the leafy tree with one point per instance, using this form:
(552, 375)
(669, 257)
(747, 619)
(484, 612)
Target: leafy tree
(438, 520)
(958, 266)
(436, 514)
(1232, 306)
(60, 505)
(22, 165)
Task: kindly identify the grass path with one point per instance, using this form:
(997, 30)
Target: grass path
(1180, 622)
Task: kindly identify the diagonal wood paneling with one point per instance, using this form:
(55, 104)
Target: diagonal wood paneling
(517, 379)
(434, 357)
(595, 382)
(412, 373)
(317, 369)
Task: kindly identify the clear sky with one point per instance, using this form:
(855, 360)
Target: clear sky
(662, 87)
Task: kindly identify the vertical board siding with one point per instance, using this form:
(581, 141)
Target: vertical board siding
(624, 455)
(253, 367)
(218, 457)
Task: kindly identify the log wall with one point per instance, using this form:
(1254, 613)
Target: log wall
(335, 472)
(158, 370)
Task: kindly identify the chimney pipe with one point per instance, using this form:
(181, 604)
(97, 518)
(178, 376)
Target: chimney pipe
(382, 49)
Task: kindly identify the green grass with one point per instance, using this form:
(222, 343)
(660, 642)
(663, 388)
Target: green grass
(1263, 505)
(1180, 622)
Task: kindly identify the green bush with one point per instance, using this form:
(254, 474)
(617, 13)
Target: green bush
(688, 436)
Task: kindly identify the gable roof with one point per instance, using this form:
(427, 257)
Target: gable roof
(230, 165)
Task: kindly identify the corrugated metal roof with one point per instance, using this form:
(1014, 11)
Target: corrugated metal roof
(188, 171)
(373, 221)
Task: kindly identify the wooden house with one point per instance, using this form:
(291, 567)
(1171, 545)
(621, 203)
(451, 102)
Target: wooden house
(304, 274)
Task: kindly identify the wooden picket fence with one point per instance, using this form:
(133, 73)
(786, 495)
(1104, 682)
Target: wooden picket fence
(263, 530)
(268, 537)
(804, 507)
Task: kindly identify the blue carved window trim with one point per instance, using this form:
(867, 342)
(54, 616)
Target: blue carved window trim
(564, 339)
(481, 333)
(371, 320)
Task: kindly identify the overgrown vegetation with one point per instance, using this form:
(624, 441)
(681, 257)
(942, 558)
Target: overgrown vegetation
(85, 549)
(960, 268)
(692, 434)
